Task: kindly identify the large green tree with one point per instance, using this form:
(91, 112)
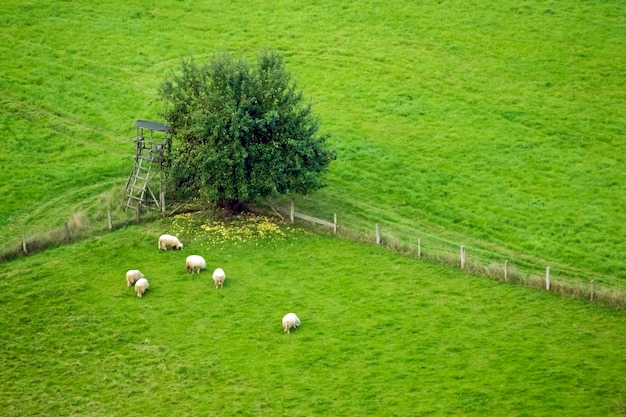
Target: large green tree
(244, 132)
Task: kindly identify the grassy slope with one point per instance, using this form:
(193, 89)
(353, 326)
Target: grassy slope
(381, 335)
(497, 124)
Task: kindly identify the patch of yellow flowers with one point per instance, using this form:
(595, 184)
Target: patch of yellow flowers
(241, 229)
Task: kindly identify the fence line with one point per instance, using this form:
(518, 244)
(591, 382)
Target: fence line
(293, 215)
(68, 232)
(80, 226)
(589, 289)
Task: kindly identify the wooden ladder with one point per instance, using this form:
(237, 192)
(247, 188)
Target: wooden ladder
(138, 184)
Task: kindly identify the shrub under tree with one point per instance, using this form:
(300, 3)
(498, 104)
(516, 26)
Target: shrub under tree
(244, 132)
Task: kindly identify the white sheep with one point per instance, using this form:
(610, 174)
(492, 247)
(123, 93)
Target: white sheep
(195, 263)
(169, 240)
(290, 321)
(141, 286)
(218, 277)
(132, 276)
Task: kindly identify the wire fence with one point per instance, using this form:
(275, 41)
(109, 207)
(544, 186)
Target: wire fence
(474, 257)
(503, 265)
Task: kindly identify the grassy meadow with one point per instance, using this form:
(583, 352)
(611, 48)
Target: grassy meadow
(495, 125)
(381, 333)
(498, 125)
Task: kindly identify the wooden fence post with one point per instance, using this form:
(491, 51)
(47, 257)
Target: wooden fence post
(506, 270)
(162, 192)
(377, 234)
(24, 245)
(335, 223)
(463, 257)
(109, 219)
(591, 290)
(139, 212)
(547, 278)
(419, 247)
(292, 211)
(67, 232)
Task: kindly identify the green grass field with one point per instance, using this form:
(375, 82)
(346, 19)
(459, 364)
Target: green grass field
(496, 125)
(381, 334)
(499, 123)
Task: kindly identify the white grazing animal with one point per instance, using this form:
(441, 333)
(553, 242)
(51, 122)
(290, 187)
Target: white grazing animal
(218, 277)
(141, 286)
(132, 276)
(166, 241)
(290, 321)
(195, 263)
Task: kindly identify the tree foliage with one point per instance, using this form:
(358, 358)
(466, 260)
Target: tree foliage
(244, 132)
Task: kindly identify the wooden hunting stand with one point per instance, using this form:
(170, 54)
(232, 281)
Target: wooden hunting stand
(152, 142)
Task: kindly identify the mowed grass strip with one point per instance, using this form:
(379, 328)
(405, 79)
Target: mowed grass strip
(381, 334)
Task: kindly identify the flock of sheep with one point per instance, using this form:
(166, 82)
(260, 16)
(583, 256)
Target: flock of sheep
(194, 264)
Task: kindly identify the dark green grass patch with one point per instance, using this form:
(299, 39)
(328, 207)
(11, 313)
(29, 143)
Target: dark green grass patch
(381, 334)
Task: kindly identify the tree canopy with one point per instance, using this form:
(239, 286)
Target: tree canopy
(244, 132)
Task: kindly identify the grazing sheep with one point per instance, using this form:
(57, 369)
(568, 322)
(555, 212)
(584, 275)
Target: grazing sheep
(218, 277)
(290, 321)
(195, 263)
(141, 286)
(132, 276)
(169, 240)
